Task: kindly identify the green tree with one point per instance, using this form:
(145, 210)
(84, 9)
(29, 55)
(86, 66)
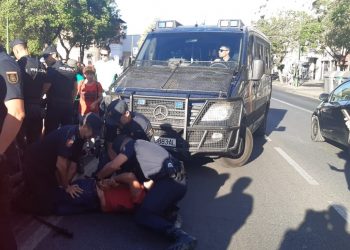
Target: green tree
(283, 30)
(89, 22)
(338, 29)
(33, 20)
(79, 22)
(333, 15)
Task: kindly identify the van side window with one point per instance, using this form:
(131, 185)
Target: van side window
(250, 52)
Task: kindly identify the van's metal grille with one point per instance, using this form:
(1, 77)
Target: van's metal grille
(161, 111)
(169, 120)
(198, 139)
(208, 139)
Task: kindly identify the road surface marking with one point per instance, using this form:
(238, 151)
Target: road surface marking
(38, 235)
(340, 210)
(268, 138)
(292, 105)
(296, 166)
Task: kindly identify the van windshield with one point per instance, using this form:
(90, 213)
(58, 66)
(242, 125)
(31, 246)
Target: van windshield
(190, 49)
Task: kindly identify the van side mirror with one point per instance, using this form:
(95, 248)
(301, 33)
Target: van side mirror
(258, 70)
(128, 62)
(323, 97)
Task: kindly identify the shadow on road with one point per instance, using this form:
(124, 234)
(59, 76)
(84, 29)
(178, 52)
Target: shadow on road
(274, 118)
(346, 169)
(258, 148)
(214, 214)
(319, 230)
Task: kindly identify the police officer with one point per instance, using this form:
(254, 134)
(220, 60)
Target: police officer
(62, 92)
(121, 121)
(11, 118)
(35, 82)
(51, 163)
(169, 178)
(133, 124)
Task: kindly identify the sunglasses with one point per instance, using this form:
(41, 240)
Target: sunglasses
(221, 50)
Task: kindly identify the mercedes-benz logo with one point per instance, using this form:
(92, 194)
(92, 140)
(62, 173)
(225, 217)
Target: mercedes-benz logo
(160, 112)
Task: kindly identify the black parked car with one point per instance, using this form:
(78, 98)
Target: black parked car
(331, 119)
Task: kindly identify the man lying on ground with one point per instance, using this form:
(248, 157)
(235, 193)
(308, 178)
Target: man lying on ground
(107, 196)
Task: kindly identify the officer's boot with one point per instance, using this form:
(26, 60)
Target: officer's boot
(183, 241)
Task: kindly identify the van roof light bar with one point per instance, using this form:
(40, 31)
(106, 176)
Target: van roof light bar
(168, 24)
(231, 23)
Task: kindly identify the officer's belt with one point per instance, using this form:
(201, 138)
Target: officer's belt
(172, 168)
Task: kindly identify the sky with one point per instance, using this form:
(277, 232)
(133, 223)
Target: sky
(140, 14)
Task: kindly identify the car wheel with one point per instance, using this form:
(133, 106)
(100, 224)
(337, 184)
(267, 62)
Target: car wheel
(261, 131)
(246, 151)
(315, 129)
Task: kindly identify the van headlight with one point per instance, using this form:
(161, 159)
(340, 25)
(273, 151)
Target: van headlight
(218, 112)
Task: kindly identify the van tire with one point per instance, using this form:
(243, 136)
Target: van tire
(261, 130)
(243, 157)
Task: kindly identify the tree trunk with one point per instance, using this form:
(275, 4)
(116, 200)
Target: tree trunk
(82, 53)
(280, 76)
(67, 50)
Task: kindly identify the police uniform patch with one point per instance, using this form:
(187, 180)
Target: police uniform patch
(12, 77)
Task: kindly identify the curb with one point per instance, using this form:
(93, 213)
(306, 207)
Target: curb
(311, 92)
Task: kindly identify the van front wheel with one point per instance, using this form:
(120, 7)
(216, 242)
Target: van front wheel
(245, 152)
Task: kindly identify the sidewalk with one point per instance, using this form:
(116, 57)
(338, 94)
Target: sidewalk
(312, 88)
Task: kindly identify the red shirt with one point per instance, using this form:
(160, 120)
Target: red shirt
(119, 199)
(89, 93)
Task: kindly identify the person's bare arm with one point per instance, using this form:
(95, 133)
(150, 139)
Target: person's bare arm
(110, 151)
(112, 166)
(12, 123)
(62, 165)
(72, 171)
(130, 179)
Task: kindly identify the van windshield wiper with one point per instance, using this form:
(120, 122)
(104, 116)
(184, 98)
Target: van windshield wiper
(175, 64)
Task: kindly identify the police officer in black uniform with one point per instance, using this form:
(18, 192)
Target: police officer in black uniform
(11, 118)
(62, 92)
(35, 82)
(51, 163)
(169, 177)
(121, 121)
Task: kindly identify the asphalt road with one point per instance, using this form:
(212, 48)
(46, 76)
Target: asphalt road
(293, 194)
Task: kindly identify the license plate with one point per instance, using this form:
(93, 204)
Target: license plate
(163, 141)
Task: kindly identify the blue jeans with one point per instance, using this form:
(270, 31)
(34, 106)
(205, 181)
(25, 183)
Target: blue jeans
(163, 196)
(87, 201)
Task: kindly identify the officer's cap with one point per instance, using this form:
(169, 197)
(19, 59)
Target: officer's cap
(49, 50)
(92, 121)
(115, 110)
(15, 42)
